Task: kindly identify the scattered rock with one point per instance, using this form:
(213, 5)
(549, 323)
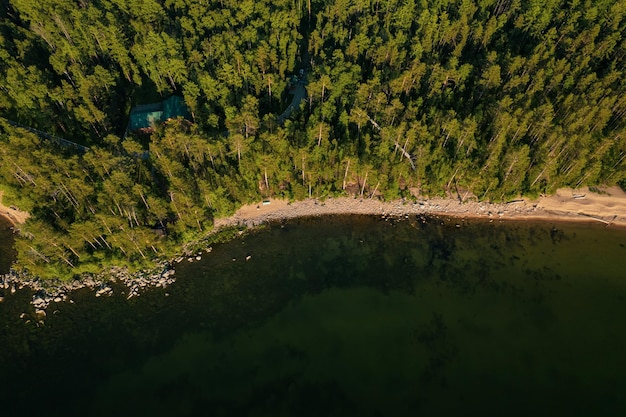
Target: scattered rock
(48, 291)
(104, 289)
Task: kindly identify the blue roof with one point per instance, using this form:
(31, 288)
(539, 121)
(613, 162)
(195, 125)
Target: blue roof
(143, 120)
(174, 107)
(149, 115)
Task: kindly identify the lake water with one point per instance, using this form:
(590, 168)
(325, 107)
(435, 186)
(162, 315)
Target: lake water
(343, 315)
(6, 244)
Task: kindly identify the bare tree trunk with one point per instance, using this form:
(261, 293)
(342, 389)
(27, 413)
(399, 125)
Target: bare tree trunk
(319, 136)
(212, 161)
(197, 220)
(144, 200)
(105, 242)
(89, 241)
(375, 189)
(406, 154)
(39, 254)
(175, 206)
(364, 182)
(73, 251)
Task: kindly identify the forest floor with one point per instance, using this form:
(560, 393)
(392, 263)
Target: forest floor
(607, 206)
(13, 214)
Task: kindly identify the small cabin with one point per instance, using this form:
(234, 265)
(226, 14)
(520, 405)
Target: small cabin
(145, 117)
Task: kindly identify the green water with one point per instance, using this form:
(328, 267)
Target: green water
(344, 316)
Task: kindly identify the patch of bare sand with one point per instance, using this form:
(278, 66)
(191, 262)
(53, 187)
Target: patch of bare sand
(609, 205)
(13, 214)
(582, 205)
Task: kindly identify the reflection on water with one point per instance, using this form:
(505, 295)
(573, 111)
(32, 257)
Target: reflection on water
(344, 316)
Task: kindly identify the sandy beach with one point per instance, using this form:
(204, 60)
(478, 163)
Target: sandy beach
(12, 214)
(580, 205)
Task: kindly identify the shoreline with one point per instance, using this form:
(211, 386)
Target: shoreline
(574, 206)
(567, 205)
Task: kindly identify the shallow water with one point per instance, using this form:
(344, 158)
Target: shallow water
(343, 316)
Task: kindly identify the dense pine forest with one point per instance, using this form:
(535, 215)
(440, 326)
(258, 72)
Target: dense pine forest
(479, 99)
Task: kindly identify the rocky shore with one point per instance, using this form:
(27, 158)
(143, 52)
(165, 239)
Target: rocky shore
(48, 291)
(55, 291)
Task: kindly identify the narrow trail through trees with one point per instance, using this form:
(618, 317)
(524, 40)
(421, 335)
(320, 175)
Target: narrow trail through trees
(60, 141)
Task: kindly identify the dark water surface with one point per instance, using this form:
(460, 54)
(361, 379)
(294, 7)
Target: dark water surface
(343, 316)
(6, 245)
